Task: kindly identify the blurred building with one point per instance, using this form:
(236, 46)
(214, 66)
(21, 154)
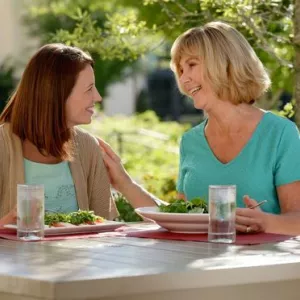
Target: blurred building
(121, 96)
(16, 44)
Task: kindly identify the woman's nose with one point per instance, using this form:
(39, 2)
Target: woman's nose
(97, 96)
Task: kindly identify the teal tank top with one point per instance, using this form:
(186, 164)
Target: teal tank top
(60, 195)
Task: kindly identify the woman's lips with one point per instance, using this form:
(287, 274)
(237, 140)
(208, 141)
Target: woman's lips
(90, 110)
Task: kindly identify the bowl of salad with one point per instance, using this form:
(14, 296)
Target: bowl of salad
(179, 215)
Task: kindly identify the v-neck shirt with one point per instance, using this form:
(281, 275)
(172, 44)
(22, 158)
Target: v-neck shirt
(270, 158)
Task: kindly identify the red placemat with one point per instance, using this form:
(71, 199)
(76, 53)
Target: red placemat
(241, 239)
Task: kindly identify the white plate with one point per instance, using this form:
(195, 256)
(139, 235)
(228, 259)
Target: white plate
(176, 222)
(102, 227)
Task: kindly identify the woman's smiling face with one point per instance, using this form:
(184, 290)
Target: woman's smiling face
(193, 83)
(80, 105)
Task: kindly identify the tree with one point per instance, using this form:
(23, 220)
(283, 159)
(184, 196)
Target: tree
(49, 20)
(267, 25)
(132, 28)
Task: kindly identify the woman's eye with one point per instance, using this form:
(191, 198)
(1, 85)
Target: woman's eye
(192, 65)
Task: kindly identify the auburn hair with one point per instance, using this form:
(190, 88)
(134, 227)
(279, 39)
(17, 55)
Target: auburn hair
(36, 111)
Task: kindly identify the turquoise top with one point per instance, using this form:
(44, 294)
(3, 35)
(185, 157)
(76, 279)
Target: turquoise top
(59, 187)
(270, 158)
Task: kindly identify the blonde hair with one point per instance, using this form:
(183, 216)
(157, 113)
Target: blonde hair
(230, 65)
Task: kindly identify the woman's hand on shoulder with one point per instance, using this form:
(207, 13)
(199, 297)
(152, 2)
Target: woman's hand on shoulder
(119, 178)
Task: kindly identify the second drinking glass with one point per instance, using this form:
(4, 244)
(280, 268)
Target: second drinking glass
(222, 203)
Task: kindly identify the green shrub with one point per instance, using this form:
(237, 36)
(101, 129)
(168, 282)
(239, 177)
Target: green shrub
(126, 211)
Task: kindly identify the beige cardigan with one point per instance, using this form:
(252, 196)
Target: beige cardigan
(88, 171)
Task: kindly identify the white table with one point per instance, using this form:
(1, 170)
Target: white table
(123, 268)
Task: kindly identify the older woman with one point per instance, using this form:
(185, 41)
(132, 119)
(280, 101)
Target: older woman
(39, 140)
(238, 143)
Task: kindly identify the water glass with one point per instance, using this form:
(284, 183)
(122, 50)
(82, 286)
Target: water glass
(222, 203)
(30, 212)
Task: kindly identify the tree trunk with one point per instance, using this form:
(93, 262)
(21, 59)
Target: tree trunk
(297, 57)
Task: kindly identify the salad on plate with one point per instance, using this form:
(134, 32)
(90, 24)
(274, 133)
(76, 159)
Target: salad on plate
(196, 205)
(77, 218)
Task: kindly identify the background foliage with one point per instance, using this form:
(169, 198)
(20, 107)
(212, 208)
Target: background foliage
(127, 29)
(149, 151)
(52, 20)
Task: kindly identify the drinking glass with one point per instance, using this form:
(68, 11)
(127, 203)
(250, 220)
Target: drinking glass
(30, 212)
(222, 203)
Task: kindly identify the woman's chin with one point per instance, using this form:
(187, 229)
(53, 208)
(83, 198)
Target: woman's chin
(87, 121)
(84, 121)
(198, 106)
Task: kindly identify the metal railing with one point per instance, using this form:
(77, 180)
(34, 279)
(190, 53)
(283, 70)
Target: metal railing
(120, 139)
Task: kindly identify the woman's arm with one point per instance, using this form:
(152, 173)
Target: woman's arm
(288, 222)
(121, 180)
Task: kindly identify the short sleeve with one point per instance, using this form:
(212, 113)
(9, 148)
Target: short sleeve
(180, 173)
(287, 167)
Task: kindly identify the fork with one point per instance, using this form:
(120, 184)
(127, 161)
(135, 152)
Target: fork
(258, 204)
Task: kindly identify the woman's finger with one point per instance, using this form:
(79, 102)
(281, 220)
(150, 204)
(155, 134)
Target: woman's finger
(105, 145)
(243, 228)
(108, 161)
(240, 228)
(108, 150)
(247, 212)
(248, 228)
(245, 221)
(249, 201)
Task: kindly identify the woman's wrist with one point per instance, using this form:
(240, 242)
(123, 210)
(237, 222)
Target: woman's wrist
(137, 195)
(288, 223)
(126, 184)
(268, 220)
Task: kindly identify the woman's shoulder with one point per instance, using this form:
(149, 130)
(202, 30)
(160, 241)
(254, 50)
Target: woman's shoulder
(195, 132)
(84, 138)
(5, 134)
(2, 130)
(4, 127)
(277, 120)
(87, 149)
(278, 125)
(2, 138)
(279, 130)
(6, 139)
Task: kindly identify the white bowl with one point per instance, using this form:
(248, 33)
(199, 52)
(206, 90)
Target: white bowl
(176, 222)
